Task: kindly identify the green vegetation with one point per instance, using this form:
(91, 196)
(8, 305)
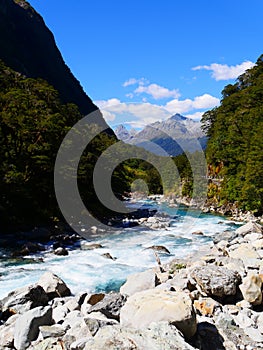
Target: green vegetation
(235, 146)
(33, 123)
(175, 267)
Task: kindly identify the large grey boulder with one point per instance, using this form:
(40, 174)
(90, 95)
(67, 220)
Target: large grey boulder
(95, 322)
(24, 299)
(249, 228)
(156, 305)
(157, 336)
(216, 281)
(53, 285)
(27, 326)
(224, 236)
(110, 305)
(138, 282)
(79, 331)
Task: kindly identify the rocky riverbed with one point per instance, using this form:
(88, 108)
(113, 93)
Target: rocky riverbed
(212, 300)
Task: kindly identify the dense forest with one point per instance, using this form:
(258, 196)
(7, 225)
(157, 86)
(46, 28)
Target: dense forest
(33, 123)
(235, 147)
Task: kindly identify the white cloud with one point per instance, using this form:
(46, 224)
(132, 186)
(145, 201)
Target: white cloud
(108, 103)
(154, 90)
(134, 81)
(195, 116)
(145, 113)
(108, 116)
(131, 81)
(157, 91)
(205, 101)
(187, 105)
(225, 72)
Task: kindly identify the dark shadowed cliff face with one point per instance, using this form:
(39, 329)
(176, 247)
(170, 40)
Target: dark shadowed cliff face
(28, 46)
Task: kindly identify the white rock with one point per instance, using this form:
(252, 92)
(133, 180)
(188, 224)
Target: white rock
(59, 313)
(251, 289)
(6, 336)
(139, 282)
(248, 228)
(252, 237)
(46, 344)
(94, 229)
(78, 330)
(154, 305)
(72, 318)
(243, 320)
(72, 305)
(27, 326)
(53, 285)
(243, 304)
(24, 299)
(244, 251)
(152, 220)
(254, 334)
(80, 343)
(52, 331)
(157, 336)
(259, 322)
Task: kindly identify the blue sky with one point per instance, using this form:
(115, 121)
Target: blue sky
(142, 61)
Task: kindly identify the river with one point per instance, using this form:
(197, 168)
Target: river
(89, 271)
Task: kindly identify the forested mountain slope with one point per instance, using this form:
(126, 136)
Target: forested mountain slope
(235, 146)
(40, 100)
(33, 123)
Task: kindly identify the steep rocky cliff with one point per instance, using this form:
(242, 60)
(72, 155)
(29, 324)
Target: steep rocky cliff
(28, 46)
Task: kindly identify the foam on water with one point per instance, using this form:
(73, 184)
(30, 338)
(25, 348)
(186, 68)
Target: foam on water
(89, 271)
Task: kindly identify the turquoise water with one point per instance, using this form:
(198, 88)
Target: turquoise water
(88, 271)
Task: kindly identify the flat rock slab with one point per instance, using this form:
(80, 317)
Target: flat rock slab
(158, 336)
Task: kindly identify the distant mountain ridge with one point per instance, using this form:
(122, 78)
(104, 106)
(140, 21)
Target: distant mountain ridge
(172, 136)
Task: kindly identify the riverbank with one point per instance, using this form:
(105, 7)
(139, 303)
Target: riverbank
(230, 210)
(210, 300)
